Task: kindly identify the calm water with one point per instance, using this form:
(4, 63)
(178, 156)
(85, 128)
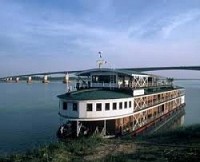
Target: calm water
(192, 101)
(29, 113)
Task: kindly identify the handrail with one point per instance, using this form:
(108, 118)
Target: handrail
(157, 102)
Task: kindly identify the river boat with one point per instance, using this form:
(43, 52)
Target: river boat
(113, 102)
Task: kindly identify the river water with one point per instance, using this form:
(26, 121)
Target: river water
(29, 113)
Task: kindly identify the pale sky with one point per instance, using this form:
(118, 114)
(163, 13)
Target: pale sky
(57, 35)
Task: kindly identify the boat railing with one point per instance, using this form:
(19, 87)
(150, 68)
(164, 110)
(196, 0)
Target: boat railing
(133, 85)
(156, 102)
(155, 117)
(104, 85)
(151, 84)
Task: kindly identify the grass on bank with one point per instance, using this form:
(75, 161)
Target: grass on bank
(189, 135)
(182, 144)
(66, 150)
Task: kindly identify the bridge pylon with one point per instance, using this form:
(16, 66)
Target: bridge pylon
(29, 79)
(45, 79)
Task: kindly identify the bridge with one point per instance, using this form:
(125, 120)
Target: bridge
(164, 68)
(46, 74)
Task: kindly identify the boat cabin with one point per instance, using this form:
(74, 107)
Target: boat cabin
(116, 78)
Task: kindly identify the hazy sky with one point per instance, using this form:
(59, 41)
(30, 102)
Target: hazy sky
(53, 35)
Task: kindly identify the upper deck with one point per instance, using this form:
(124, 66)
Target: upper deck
(112, 78)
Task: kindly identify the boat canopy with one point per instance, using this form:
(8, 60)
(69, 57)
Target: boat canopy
(117, 71)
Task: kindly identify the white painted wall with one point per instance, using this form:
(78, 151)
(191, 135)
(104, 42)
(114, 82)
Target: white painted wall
(182, 99)
(69, 112)
(83, 113)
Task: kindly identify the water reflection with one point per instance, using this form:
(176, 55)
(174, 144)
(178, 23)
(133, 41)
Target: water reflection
(178, 122)
(173, 122)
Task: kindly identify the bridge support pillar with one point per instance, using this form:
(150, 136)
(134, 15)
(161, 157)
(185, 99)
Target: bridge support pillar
(10, 79)
(45, 79)
(29, 79)
(17, 79)
(66, 79)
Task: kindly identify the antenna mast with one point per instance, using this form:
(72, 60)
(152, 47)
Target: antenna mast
(101, 61)
(67, 81)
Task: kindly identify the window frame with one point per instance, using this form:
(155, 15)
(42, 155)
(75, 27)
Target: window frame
(107, 108)
(130, 104)
(114, 107)
(98, 108)
(121, 105)
(89, 108)
(64, 105)
(75, 108)
(125, 104)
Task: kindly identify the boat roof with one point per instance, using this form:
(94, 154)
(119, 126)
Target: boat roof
(95, 94)
(118, 71)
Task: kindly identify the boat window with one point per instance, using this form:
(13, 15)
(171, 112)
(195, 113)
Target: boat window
(98, 107)
(125, 105)
(104, 78)
(120, 105)
(163, 108)
(89, 107)
(75, 106)
(115, 106)
(64, 105)
(130, 103)
(107, 106)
